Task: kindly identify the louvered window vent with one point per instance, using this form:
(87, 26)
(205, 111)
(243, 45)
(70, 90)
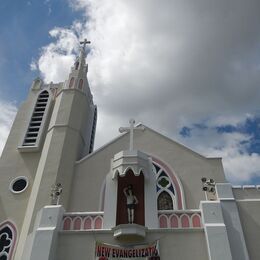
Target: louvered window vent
(91, 147)
(33, 130)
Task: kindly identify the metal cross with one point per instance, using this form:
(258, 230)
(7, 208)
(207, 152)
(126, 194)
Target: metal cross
(85, 42)
(131, 131)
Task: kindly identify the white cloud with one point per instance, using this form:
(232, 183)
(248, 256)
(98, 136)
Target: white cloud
(239, 165)
(8, 112)
(166, 63)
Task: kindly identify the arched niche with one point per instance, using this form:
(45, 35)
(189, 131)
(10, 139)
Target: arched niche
(138, 190)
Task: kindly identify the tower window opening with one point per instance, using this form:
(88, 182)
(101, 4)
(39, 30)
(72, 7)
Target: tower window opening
(93, 131)
(39, 109)
(81, 84)
(71, 82)
(35, 124)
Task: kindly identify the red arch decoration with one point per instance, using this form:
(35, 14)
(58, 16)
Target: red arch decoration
(163, 221)
(185, 221)
(98, 223)
(174, 221)
(67, 223)
(87, 223)
(196, 221)
(77, 223)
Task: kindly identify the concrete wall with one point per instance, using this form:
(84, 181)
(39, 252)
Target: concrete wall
(179, 244)
(14, 163)
(249, 212)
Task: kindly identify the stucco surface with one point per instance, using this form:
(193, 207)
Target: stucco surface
(249, 212)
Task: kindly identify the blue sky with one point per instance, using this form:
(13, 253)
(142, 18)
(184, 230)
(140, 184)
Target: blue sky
(188, 69)
(24, 30)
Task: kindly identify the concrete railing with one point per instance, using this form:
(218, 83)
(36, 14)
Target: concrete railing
(167, 219)
(82, 221)
(180, 219)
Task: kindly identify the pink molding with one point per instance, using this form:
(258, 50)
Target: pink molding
(84, 221)
(98, 223)
(174, 221)
(196, 221)
(180, 219)
(185, 221)
(87, 223)
(163, 221)
(77, 223)
(67, 223)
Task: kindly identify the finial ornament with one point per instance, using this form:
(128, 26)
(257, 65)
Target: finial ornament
(84, 43)
(56, 190)
(131, 129)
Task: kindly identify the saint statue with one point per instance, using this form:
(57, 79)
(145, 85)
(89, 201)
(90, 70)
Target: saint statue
(131, 201)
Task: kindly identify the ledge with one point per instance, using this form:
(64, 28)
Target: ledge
(129, 231)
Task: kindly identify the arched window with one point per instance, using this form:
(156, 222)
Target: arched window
(7, 240)
(71, 82)
(32, 134)
(80, 84)
(166, 199)
(76, 65)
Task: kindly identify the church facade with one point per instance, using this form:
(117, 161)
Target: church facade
(141, 196)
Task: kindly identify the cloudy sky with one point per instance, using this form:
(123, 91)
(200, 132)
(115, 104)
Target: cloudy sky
(189, 69)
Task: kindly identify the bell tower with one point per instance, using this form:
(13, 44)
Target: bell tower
(53, 128)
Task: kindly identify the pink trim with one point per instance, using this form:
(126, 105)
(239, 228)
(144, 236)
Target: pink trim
(185, 221)
(174, 180)
(87, 223)
(174, 221)
(82, 222)
(77, 223)
(181, 219)
(163, 221)
(67, 224)
(98, 223)
(196, 221)
(12, 226)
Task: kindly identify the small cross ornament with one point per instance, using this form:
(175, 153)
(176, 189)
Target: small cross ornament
(85, 42)
(131, 129)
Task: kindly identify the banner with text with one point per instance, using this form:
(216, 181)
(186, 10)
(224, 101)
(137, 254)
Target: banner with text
(106, 252)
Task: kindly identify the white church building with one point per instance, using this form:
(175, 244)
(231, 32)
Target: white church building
(141, 196)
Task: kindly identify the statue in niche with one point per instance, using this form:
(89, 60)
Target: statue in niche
(131, 201)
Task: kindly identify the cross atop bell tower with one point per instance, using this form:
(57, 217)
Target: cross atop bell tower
(84, 43)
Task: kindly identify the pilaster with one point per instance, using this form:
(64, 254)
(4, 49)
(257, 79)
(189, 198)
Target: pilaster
(215, 231)
(232, 221)
(44, 238)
